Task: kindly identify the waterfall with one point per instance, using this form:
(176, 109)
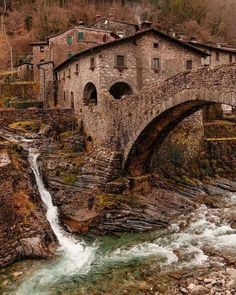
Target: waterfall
(77, 255)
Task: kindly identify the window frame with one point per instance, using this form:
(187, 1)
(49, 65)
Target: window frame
(156, 45)
(77, 69)
(154, 63)
(69, 40)
(79, 38)
(92, 63)
(124, 65)
(189, 62)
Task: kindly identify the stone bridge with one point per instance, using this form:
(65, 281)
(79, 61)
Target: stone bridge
(134, 125)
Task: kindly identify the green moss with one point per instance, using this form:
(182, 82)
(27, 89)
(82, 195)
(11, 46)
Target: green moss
(70, 179)
(108, 200)
(26, 126)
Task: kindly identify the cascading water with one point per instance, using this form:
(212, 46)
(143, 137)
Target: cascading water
(78, 255)
(75, 256)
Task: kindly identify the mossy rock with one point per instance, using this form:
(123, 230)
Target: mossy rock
(70, 178)
(28, 126)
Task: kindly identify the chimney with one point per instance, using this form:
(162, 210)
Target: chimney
(193, 40)
(98, 17)
(145, 25)
(81, 23)
(111, 13)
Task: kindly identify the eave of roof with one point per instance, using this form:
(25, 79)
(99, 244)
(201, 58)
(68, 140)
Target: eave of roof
(114, 20)
(80, 28)
(39, 43)
(127, 39)
(212, 47)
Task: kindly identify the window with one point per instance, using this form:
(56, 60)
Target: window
(120, 61)
(80, 36)
(41, 60)
(230, 58)
(64, 75)
(69, 40)
(59, 77)
(189, 64)
(156, 63)
(64, 96)
(77, 69)
(69, 54)
(41, 48)
(92, 63)
(68, 73)
(217, 56)
(156, 45)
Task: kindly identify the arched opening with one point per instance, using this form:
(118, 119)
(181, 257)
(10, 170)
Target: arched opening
(141, 152)
(72, 102)
(119, 89)
(90, 94)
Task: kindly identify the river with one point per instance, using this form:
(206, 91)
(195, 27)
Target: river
(125, 263)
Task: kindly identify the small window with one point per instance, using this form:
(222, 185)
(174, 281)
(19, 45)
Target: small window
(64, 96)
(217, 56)
(69, 54)
(77, 69)
(69, 40)
(64, 75)
(59, 77)
(156, 45)
(120, 61)
(41, 60)
(80, 36)
(41, 48)
(230, 58)
(189, 64)
(156, 63)
(69, 72)
(92, 63)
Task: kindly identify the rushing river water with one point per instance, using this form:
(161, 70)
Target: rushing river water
(111, 265)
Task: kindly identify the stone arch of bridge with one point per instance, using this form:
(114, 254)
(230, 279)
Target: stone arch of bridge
(141, 152)
(159, 109)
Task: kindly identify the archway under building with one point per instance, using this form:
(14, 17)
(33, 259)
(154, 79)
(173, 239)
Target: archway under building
(90, 94)
(120, 89)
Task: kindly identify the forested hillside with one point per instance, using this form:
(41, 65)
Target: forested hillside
(208, 20)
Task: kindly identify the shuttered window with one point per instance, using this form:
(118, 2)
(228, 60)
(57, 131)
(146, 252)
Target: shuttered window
(80, 36)
(156, 63)
(69, 40)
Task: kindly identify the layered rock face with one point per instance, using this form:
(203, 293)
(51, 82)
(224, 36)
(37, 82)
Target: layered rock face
(24, 229)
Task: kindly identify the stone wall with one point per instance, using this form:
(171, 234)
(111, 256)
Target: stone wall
(56, 118)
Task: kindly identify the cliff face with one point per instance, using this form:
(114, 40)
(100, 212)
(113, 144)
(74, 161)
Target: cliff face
(24, 229)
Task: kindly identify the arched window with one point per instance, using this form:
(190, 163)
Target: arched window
(90, 94)
(119, 89)
(72, 102)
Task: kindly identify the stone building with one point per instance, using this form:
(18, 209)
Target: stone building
(217, 55)
(25, 71)
(61, 46)
(121, 67)
(120, 27)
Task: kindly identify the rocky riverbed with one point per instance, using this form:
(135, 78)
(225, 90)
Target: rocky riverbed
(149, 234)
